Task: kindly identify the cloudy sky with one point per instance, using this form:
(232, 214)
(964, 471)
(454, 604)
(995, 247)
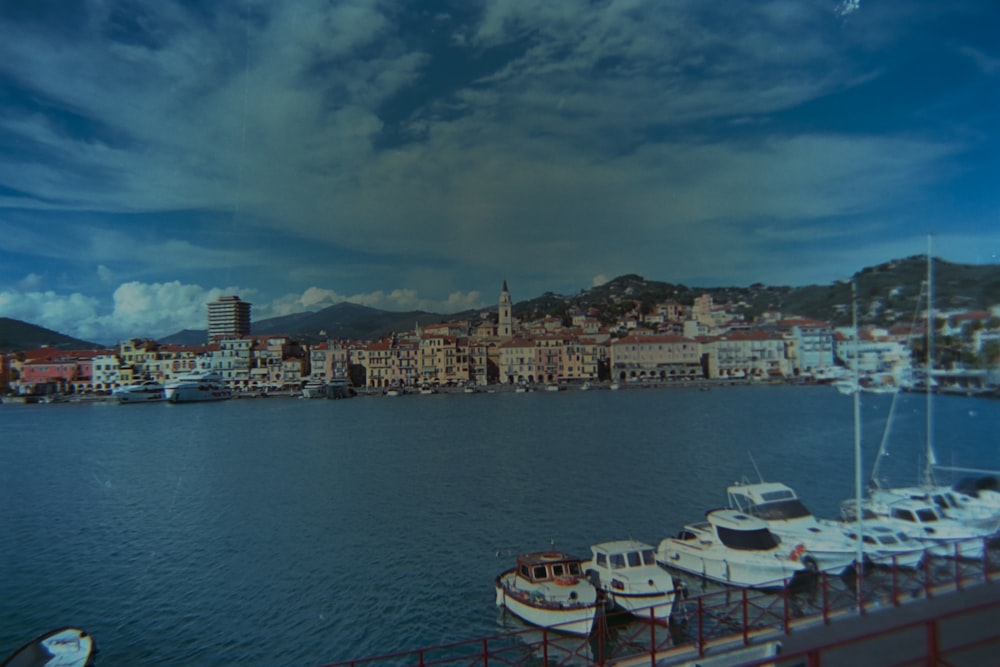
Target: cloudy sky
(155, 154)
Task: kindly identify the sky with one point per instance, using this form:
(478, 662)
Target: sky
(156, 154)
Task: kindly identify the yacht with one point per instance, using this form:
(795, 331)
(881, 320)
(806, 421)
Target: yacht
(920, 520)
(736, 549)
(780, 508)
(199, 386)
(149, 391)
(627, 572)
(884, 544)
(548, 589)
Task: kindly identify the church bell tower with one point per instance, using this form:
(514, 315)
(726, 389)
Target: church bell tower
(505, 323)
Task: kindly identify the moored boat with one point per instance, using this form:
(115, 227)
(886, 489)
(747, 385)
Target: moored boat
(66, 647)
(787, 517)
(884, 544)
(548, 589)
(627, 572)
(149, 391)
(920, 520)
(736, 549)
(202, 386)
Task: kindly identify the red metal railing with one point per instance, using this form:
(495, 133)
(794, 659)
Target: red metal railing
(734, 617)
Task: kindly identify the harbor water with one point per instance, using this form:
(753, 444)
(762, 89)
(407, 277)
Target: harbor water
(301, 532)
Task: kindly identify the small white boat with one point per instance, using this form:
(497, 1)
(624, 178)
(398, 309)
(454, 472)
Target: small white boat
(884, 545)
(787, 517)
(205, 386)
(586, 386)
(66, 647)
(552, 387)
(921, 521)
(548, 589)
(735, 549)
(149, 391)
(627, 572)
(315, 388)
(615, 386)
(965, 509)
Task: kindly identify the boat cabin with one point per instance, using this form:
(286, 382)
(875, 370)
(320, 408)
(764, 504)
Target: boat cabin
(915, 514)
(742, 532)
(621, 555)
(771, 501)
(548, 566)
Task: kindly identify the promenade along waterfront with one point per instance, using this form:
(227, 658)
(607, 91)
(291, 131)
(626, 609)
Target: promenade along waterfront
(295, 532)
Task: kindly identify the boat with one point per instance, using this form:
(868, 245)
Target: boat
(552, 387)
(548, 589)
(198, 386)
(627, 572)
(315, 388)
(586, 386)
(614, 386)
(979, 513)
(149, 391)
(787, 517)
(735, 549)
(885, 545)
(66, 647)
(920, 520)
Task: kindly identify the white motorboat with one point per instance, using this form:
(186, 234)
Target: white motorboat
(66, 647)
(884, 544)
(204, 386)
(315, 388)
(921, 521)
(780, 508)
(734, 548)
(952, 504)
(149, 391)
(548, 589)
(627, 572)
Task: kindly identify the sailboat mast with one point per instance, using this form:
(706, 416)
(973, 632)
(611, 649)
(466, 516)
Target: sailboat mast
(929, 390)
(859, 557)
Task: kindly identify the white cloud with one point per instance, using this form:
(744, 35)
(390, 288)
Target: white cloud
(598, 280)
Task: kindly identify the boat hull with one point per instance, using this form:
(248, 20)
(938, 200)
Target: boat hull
(195, 394)
(755, 571)
(534, 607)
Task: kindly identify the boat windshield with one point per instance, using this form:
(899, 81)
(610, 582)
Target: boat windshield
(747, 540)
(782, 509)
(648, 557)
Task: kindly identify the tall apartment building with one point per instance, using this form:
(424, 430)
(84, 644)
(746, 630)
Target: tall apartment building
(228, 317)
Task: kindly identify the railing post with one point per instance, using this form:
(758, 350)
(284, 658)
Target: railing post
(786, 620)
(986, 560)
(958, 566)
(545, 646)
(824, 590)
(652, 635)
(486, 653)
(701, 627)
(420, 657)
(746, 632)
(927, 577)
(895, 581)
(932, 643)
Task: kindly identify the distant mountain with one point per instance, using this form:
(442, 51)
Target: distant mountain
(343, 321)
(17, 336)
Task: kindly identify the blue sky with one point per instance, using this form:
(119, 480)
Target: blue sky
(413, 155)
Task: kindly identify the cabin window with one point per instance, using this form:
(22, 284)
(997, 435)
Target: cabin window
(903, 515)
(558, 570)
(648, 557)
(634, 559)
(617, 561)
(574, 569)
(782, 509)
(747, 540)
(524, 572)
(887, 539)
(538, 572)
(927, 515)
(602, 560)
(785, 494)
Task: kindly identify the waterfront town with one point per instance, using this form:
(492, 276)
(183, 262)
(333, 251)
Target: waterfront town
(668, 343)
